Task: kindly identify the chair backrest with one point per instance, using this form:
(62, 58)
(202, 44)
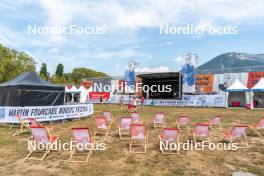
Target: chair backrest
(216, 120)
(170, 134)
(125, 123)
(40, 134)
(183, 120)
(81, 135)
(135, 117)
(33, 121)
(101, 122)
(159, 117)
(237, 131)
(138, 131)
(202, 130)
(260, 124)
(108, 115)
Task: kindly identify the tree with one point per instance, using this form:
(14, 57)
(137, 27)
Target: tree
(78, 74)
(59, 70)
(58, 80)
(12, 63)
(43, 73)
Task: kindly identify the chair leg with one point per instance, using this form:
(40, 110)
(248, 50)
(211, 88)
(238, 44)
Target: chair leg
(45, 155)
(29, 154)
(246, 139)
(88, 156)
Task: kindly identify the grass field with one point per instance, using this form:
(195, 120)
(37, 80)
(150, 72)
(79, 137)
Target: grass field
(116, 160)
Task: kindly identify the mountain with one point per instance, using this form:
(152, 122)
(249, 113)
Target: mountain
(233, 63)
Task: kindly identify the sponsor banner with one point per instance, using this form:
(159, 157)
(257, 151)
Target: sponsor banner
(204, 83)
(97, 95)
(45, 113)
(188, 72)
(130, 74)
(253, 78)
(192, 100)
(187, 100)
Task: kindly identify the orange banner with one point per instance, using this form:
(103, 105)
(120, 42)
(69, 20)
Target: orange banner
(253, 78)
(204, 83)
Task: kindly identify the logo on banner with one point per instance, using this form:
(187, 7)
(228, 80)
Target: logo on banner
(218, 100)
(2, 112)
(187, 98)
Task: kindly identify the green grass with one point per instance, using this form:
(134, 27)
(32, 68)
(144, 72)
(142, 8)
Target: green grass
(116, 160)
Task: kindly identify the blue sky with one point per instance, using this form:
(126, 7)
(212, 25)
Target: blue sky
(132, 31)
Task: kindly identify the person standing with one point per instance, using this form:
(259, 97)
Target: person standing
(142, 102)
(136, 103)
(101, 99)
(122, 102)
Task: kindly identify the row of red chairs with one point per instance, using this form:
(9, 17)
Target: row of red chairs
(132, 129)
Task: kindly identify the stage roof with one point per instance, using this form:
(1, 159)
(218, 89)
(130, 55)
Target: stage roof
(159, 75)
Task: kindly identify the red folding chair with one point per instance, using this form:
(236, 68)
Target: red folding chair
(169, 136)
(109, 117)
(236, 133)
(215, 123)
(81, 137)
(41, 136)
(124, 127)
(138, 138)
(101, 130)
(259, 126)
(136, 119)
(183, 122)
(158, 120)
(202, 131)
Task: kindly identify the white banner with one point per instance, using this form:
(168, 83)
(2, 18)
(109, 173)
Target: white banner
(45, 113)
(187, 100)
(192, 100)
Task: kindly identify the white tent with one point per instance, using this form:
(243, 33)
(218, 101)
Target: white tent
(237, 86)
(258, 93)
(238, 92)
(84, 94)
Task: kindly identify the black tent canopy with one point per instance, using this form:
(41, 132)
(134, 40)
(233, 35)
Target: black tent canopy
(28, 89)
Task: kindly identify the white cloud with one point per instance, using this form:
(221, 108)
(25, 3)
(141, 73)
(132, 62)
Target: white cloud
(53, 50)
(127, 53)
(166, 44)
(148, 13)
(179, 62)
(152, 70)
(123, 20)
